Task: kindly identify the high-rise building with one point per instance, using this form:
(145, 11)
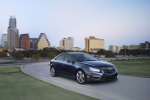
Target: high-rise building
(12, 34)
(33, 43)
(24, 41)
(12, 22)
(114, 48)
(66, 43)
(71, 43)
(42, 42)
(4, 39)
(93, 44)
(118, 48)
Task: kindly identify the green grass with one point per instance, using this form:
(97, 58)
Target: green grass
(140, 68)
(14, 85)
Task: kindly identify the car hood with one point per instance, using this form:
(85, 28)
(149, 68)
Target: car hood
(97, 64)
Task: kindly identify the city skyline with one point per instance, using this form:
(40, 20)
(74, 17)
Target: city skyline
(123, 22)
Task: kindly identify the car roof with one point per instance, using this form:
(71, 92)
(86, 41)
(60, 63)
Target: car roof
(75, 52)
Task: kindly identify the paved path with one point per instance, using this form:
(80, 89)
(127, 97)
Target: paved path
(125, 88)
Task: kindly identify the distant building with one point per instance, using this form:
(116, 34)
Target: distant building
(12, 38)
(42, 42)
(76, 49)
(118, 49)
(12, 22)
(67, 43)
(93, 44)
(12, 34)
(33, 43)
(58, 48)
(64, 44)
(19, 49)
(24, 41)
(5, 48)
(131, 47)
(145, 45)
(71, 43)
(114, 48)
(4, 39)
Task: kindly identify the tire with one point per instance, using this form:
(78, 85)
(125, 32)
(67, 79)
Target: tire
(53, 72)
(81, 77)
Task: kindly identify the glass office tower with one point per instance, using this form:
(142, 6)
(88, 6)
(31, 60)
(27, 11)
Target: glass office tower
(12, 22)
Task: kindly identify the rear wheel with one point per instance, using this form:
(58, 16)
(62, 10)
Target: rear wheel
(81, 77)
(53, 72)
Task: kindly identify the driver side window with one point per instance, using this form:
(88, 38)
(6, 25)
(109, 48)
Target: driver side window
(68, 58)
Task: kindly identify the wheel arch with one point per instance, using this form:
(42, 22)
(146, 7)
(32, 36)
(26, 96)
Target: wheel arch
(78, 70)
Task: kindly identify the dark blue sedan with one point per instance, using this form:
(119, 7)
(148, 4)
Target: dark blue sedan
(83, 67)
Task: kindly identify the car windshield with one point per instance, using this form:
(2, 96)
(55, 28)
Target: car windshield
(84, 57)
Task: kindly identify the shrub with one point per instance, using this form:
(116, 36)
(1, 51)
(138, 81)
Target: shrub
(36, 57)
(18, 56)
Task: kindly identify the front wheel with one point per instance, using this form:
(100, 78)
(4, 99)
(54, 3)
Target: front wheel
(53, 72)
(81, 77)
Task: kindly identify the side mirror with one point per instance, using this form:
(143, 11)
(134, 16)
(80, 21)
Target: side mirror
(97, 58)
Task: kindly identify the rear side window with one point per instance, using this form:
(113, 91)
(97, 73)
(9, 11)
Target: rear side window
(60, 57)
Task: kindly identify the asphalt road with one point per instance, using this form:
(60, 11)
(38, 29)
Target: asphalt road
(14, 62)
(125, 88)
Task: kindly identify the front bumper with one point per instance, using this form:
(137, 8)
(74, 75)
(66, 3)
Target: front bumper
(101, 77)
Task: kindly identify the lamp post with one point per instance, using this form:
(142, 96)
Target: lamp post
(125, 52)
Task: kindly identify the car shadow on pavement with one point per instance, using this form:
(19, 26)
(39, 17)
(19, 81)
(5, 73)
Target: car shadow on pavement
(90, 83)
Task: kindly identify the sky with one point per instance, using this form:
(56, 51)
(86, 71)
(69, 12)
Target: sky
(118, 22)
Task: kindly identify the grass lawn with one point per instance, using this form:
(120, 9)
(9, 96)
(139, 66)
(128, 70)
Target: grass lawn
(14, 85)
(140, 68)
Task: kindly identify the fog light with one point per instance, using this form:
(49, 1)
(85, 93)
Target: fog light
(96, 76)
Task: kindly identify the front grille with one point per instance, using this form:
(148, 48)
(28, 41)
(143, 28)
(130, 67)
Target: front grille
(110, 77)
(109, 70)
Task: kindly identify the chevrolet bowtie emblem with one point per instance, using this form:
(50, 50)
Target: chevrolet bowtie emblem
(109, 68)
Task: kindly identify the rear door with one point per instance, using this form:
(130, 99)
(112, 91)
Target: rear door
(69, 65)
(60, 63)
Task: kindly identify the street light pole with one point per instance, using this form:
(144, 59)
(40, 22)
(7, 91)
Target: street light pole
(125, 52)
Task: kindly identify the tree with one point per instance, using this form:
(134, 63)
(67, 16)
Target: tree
(51, 55)
(2, 54)
(18, 55)
(109, 54)
(101, 52)
(44, 54)
(36, 57)
(124, 52)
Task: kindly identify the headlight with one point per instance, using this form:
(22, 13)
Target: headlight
(94, 69)
(116, 69)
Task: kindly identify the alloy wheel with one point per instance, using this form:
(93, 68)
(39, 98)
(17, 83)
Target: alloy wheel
(53, 72)
(80, 77)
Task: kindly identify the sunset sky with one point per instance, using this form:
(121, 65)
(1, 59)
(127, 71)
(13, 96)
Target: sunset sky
(119, 22)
